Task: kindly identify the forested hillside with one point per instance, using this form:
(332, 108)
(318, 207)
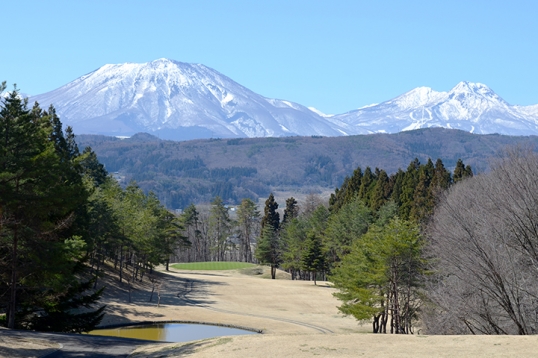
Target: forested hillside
(196, 171)
(62, 220)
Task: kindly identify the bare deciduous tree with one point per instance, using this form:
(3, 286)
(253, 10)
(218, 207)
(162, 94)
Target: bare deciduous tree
(484, 234)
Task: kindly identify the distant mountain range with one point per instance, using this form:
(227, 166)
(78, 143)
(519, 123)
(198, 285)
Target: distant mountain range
(196, 171)
(472, 107)
(180, 101)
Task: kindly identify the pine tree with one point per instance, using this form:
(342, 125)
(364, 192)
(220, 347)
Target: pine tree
(441, 177)
(353, 187)
(313, 258)
(381, 191)
(367, 183)
(270, 215)
(345, 227)
(41, 193)
(293, 235)
(219, 228)
(422, 198)
(291, 211)
(191, 223)
(381, 276)
(459, 171)
(91, 166)
(468, 172)
(349, 190)
(248, 221)
(268, 250)
(407, 189)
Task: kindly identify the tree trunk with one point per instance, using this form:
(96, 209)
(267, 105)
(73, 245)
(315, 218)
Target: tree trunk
(375, 323)
(121, 263)
(13, 294)
(97, 271)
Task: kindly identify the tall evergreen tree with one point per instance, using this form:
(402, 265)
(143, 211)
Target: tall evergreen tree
(407, 191)
(351, 189)
(219, 228)
(291, 211)
(345, 227)
(313, 258)
(248, 220)
(381, 191)
(367, 183)
(270, 215)
(268, 249)
(91, 166)
(41, 191)
(441, 177)
(422, 197)
(199, 250)
(462, 171)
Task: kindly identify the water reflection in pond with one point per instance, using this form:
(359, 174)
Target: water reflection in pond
(171, 332)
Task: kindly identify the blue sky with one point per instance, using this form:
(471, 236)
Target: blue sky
(333, 55)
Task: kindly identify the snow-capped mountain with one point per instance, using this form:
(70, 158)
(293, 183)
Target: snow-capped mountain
(176, 100)
(472, 107)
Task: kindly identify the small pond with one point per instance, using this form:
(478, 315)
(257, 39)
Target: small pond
(170, 332)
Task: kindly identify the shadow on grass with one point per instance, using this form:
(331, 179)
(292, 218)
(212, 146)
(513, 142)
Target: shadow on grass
(184, 348)
(174, 291)
(172, 288)
(73, 345)
(25, 352)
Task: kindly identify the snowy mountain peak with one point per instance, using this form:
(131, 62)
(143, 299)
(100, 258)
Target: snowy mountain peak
(177, 100)
(469, 89)
(472, 107)
(418, 97)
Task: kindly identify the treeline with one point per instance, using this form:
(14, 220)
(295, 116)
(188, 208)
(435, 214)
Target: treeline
(457, 252)
(61, 219)
(217, 236)
(368, 241)
(413, 191)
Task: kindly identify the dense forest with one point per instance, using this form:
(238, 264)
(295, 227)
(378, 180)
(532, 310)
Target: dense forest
(196, 171)
(62, 218)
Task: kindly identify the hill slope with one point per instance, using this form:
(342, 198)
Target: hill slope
(196, 171)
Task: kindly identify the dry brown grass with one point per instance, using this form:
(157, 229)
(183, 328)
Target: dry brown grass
(298, 320)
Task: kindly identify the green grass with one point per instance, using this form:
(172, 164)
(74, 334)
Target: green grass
(215, 265)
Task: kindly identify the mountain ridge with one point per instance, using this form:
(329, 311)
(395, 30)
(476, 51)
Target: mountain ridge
(165, 97)
(180, 101)
(473, 107)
